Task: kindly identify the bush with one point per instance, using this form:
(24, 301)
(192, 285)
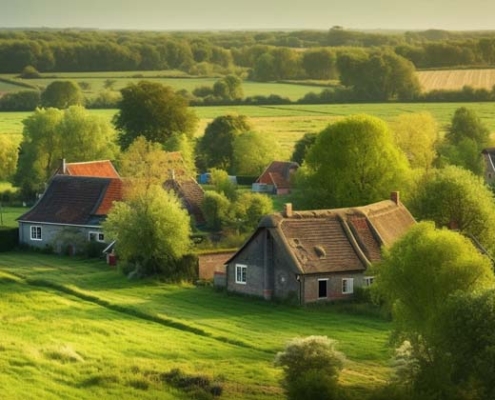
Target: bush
(29, 72)
(311, 367)
(25, 100)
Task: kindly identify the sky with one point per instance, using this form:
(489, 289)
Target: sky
(249, 14)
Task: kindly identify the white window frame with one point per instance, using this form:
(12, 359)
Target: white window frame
(320, 280)
(368, 280)
(347, 285)
(99, 236)
(241, 274)
(38, 232)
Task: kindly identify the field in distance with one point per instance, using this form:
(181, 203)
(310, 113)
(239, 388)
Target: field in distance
(455, 79)
(79, 329)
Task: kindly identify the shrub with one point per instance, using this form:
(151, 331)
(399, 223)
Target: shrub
(25, 100)
(311, 367)
(29, 72)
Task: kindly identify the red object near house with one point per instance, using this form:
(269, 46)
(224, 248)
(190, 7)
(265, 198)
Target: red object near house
(112, 260)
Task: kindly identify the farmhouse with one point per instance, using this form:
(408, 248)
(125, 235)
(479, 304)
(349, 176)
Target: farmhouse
(68, 215)
(101, 169)
(276, 178)
(316, 255)
(191, 196)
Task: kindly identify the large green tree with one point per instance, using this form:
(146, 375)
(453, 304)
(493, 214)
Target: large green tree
(416, 278)
(216, 146)
(8, 156)
(466, 137)
(379, 76)
(62, 94)
(51, 134)
(253, 152)
(417, 136)
(353, 162)
(454, 197)
(301, 147)
(154, 111)
(151, 230)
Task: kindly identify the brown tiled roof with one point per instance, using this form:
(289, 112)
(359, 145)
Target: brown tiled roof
(191, 195)
(347, 239)
(75, 200)
(278, 174)
(102, 169)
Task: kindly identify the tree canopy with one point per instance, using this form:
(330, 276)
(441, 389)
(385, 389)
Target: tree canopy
(52, 134)
(253, 152)
(417, 136)
(216, 146)
(301, 147)
(353, 162)
(454, 197)
(8, 156)
(157, 218)
(62, 94)
(154, 111)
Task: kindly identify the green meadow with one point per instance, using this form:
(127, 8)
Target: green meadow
(77, 329)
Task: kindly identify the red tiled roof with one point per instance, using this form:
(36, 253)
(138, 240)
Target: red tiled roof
(75, 200)
(278, 174)
(102, 169)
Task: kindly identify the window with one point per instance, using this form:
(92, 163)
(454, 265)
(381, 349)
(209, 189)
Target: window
(96, 237)
(368, 280)
(322, 288)
(347, 285)
(240, 274)
(36, 232)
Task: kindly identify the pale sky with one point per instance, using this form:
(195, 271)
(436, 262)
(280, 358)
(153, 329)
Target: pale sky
(250, 14)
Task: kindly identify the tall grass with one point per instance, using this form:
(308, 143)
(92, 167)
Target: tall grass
(82, 330)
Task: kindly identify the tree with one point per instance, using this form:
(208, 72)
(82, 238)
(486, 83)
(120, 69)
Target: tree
(466, 137)
(216, 145)
(62, 94)
(253, 152)
(311, 368)
(144, 163)
(416, 278)
(319, 63)
(229, 88)
(379, 76)
(301, 147)
(420, 271)
(24, 100)
(417, 136)
(456, 198)
(353, 162)
(8, 156)
(465, 343)
(216, 209)
(51, 134)
(249, 208)
(154, 111)
(157, 217)
(222, 183)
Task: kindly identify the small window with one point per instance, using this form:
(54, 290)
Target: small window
(368, 280)
(240, 274)
(36, 233)
(322, 288)
(347, 285)
(96, 237)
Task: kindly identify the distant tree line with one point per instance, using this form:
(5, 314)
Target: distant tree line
(267, 55)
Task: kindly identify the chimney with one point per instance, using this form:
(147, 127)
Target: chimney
(288, 210)
(394, 196)
(64, 166)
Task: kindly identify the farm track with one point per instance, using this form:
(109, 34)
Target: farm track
(10, 277)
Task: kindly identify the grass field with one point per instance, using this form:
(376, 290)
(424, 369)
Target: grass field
(8, 215)
(80, 330)
(289, 122)
(96, 83)
(456, 79)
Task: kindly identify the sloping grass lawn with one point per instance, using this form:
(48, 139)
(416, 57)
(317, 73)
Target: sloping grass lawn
(10, 214)
(79, 329)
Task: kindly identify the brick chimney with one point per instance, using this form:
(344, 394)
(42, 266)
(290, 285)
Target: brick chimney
(394, 196)
(288, 210)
